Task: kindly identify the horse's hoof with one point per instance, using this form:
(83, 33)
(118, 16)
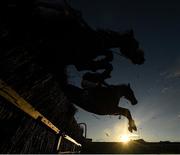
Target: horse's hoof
(135, 128)
(130, 129)
(132, 126)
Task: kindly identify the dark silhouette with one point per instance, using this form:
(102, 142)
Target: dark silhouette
(57, 36)
(96, 79)
(134, 147)
(103, 100)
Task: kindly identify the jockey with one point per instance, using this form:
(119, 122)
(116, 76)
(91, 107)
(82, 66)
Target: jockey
(91, 80)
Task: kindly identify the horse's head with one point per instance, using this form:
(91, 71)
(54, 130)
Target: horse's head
(129, 94)
(129, 48)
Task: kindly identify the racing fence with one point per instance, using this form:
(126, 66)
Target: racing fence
(65, 144)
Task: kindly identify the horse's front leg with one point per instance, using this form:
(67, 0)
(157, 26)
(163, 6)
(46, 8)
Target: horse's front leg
(125, 112)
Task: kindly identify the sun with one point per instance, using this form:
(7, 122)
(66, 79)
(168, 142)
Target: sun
(124, 138)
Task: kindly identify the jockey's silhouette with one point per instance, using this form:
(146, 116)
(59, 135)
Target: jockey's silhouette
(96, 79)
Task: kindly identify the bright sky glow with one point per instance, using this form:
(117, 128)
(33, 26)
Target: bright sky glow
(124, 138)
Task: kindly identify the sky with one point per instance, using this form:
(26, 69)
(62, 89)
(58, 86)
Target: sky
(156, 83)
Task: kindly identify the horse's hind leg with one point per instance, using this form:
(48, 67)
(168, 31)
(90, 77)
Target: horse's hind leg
(125, 112)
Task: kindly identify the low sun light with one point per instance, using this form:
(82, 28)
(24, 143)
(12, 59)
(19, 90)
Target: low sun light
(124, 138)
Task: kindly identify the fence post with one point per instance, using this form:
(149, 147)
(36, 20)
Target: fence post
(59, 143)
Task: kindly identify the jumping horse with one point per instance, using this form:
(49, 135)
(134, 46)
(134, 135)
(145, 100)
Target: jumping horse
(57, 36)
(104, 100)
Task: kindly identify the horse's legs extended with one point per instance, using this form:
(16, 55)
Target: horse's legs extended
(125, 112)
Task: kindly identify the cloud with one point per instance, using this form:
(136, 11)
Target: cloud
(107, 132)
(164, 89)
(133, 135)
(173, 72)
(164, 73)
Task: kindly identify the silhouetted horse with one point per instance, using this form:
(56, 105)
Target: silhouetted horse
(58, 36)
(65, 39)
(103, 100)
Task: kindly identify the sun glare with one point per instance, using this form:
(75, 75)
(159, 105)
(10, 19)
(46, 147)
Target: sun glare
(124, 138)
